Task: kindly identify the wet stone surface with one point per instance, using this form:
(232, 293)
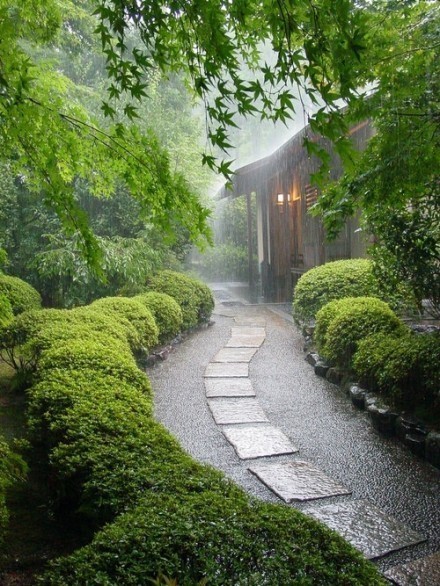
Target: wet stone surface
(256, 441)
(422, 572)
(229, 387)
(297, 480)
(234, 355)
(244, 410)
(366, 527)
(247, 331)
(227, 369)
(250, 321)
(245, 341)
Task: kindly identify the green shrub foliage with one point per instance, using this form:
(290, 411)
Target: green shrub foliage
(229, 540)
(21, 295)
(166, 312)
(333, 280)
(30, 333)
(404, 369)
(136, 313)
(155, 510)
(12, 469)
(194, 297)
(101, 356)
(344, 322)
(6, 314)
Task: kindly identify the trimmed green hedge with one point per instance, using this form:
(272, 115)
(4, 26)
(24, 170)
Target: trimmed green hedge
(137, 314)
(333, 280)
(30, 333)
(12, 469)
(404, 369)
(228, 540)
(21, 295)
(166, 312)
(194, 297)
(90, 411)
(343, 323)
(6, 314)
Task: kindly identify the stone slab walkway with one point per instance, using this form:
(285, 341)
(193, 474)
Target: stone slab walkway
(262, 398)
(246, 426)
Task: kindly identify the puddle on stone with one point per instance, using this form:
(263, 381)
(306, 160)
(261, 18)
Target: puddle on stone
(229, 387)
(297, 481)
(227, 369)
(245, 341)
(229, 411)
(256, 441)
(366, 527)
(422, 572)
(234, 355)
(247, 331)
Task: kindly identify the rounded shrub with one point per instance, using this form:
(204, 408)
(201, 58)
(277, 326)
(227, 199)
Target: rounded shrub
(333, 280)
(136, 313)
(6, 314)
(166, 312)
(403, 368)
(21, 295)
(94, 355)
(194, 297)
(30, 333)
(205, 538)
(349, 320)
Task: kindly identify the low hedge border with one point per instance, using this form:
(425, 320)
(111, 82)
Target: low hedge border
(154, 508)
(194, 297)
(382, 385)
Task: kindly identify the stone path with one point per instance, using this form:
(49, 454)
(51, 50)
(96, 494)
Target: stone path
(236, 409)
(280, 426)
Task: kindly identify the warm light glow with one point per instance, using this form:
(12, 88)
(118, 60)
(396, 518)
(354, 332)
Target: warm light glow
(280, 198)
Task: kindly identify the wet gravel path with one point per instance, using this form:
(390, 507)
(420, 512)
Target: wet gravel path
(318, 418)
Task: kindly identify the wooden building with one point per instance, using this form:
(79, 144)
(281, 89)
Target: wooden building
(289, 240)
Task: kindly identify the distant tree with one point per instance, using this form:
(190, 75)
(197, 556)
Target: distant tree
(52, 139)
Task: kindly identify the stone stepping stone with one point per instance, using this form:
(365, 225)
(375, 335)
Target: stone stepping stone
(245, 341)
(297, 481)
(229, 387)
(234, 355)
(257, 441)
(250, 321)
(422, 572)
(244, 410)
(227, 369)
(247, 331)
(366, 527)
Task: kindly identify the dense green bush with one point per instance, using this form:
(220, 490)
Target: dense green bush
(404, 369)
(99, 356)
(344, 322)
(136, 313)
(225, 262)
(31, 332)
(166, 312)
(6, 314)
(232, 541)
(194, 297)
(90, 412)
(12, 469)
(21, 295)
(333, 280)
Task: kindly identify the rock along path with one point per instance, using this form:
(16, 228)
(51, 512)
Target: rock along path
(240, 396)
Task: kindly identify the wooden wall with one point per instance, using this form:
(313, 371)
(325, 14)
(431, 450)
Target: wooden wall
(291, 241)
